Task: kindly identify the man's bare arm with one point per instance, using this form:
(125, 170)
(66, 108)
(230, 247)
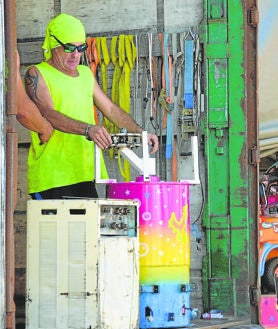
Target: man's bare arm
(27, 112)
(120, 118)
(39, 93)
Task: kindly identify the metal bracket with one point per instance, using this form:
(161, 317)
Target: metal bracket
(194, 147)
(254, 292)
(253, 16)
(254, 155)
(144, 165)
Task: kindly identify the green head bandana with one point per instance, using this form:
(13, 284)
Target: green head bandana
(64, 27)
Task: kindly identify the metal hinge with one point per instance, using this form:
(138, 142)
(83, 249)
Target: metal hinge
(254, 155)
(254, 295)
(253, 16)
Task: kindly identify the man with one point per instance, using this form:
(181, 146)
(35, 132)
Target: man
(65, 93)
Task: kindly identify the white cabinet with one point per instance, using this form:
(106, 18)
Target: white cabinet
(82, 264)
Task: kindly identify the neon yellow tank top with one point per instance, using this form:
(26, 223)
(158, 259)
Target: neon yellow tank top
(66, 158)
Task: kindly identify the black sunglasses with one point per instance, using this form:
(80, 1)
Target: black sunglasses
(70, 48)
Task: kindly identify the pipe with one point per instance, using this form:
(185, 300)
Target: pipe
(2, 178)
(11, 156)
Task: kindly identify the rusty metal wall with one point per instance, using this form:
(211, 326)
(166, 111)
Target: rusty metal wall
(11, 156)
(2, 175)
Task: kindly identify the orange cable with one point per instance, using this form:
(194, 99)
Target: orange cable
(94, 61)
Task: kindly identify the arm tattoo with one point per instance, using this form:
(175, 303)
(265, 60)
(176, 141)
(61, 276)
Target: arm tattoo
(32, 83)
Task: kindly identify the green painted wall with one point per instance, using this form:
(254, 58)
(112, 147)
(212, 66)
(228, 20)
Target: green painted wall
(226, 219)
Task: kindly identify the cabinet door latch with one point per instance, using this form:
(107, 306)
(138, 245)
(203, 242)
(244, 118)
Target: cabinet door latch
(253, 16)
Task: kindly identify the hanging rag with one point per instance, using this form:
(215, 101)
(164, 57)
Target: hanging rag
(123, 55)
(92, 55)
(123, 60)
(104, 60)
(127, 56)
(116, 76)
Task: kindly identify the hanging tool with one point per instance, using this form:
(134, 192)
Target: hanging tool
(163, 101)
(149, 99)
(188, 72)
(178, 82)
(176, 96)
(197, 77)
(188, 122)
(168, 84)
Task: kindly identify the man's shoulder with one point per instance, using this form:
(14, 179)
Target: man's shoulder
(41, 66)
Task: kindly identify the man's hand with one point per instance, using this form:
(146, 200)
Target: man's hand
(100, 136)
(45, 133)
(153, 141)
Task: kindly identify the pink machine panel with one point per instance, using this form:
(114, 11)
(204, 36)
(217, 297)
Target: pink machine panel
(164, 236)
(164, 226)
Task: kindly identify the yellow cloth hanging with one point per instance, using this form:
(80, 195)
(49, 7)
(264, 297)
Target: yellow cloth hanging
(104, 60)
(117, 70)
(123, 61)
(129, 53)
(127, 56)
